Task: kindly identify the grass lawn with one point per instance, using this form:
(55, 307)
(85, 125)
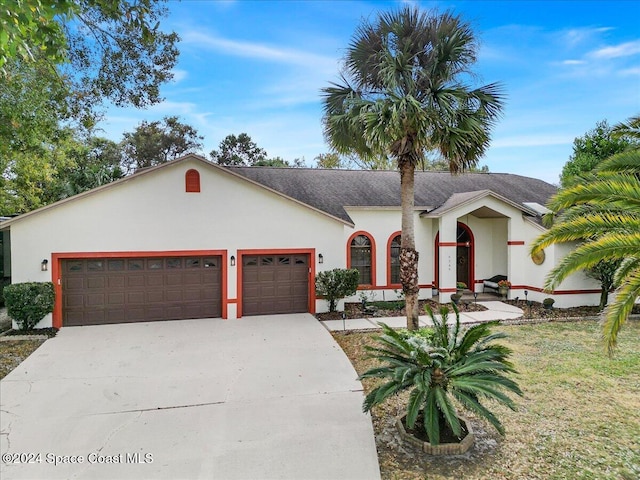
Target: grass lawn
(579, 418)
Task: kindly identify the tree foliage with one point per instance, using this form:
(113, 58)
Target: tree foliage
(590, 150)
(30, 28)
(154, 143)
(108, 49)
(242, 151)
(404, 94)
(238, 151)
(602, 213)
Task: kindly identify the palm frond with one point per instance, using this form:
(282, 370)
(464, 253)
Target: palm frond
(629, 129)
(627, 266)
(587, 226)
(610, 247)
(470, 402)
(617, 313)
(619, 190)
(627, 161)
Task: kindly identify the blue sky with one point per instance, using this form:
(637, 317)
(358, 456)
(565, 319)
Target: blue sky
(258, 67)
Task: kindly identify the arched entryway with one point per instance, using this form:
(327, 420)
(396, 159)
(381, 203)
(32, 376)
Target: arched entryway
(465, 251)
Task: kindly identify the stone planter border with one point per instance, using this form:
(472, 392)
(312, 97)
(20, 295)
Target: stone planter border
(444, 448)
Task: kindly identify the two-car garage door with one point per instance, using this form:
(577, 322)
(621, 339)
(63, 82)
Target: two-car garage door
(120, 290)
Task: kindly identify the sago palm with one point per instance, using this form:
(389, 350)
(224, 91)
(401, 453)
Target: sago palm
(454, 365)
(403, 95)
(602, 213)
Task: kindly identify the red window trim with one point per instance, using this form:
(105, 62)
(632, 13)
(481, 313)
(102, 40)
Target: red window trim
(373, 258)
(393, 235)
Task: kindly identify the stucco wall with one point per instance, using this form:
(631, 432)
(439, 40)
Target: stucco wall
(154, 213)
(381, 224)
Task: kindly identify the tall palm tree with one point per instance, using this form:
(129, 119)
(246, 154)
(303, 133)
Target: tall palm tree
(603, 214)
(403, 93)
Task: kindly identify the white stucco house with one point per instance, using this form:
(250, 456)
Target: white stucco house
(191, 239)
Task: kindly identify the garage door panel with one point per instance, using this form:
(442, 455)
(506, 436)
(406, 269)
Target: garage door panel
(115, 299)
(74, 301)
(266, 275)
(135, 280)
(74, 282)
(155, 296)
(117, 281)
(154, 280)
(155, 313)
(96, 282)
(193, 295)
(135, 297)
(94, 300)
(131, 290)
(115, 315)
(174, 296)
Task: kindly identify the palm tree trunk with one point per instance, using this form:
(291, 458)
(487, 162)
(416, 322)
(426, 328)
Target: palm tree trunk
(408, 252)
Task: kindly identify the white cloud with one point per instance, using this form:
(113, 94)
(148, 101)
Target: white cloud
(623, 50)
(576, 36)
(179, 75)
(573, 62)
(630, 71)
(261, 51)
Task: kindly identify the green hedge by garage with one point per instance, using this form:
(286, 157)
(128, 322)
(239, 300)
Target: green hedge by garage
(28, 303)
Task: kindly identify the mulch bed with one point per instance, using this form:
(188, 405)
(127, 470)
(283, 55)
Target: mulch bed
(49, 332)
(531, 310)
(392, 309)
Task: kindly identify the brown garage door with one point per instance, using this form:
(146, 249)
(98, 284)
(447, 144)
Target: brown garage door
(275, 284)
(119, 290)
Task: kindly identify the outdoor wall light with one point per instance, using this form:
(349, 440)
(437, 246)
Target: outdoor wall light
(320, 258)
(233, 261)
(44, 265)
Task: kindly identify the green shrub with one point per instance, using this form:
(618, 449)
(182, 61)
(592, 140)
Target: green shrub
(28, 303)
(336, 284)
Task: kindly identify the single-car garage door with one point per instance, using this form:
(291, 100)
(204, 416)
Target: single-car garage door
(275, 284)
(119, 290)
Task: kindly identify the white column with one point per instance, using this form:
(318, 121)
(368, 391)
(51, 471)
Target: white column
(447, 226)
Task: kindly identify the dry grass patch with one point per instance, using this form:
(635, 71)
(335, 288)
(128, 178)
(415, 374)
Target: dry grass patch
(579, 418)
(13, 352)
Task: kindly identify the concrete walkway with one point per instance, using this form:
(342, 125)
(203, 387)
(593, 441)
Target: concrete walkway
(270, 397)
(495, 311)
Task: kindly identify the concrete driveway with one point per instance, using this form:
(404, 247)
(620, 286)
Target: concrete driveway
(255, 398)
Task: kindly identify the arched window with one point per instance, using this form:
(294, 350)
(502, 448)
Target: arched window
(394, 260)
(192, 181)
(361, 258)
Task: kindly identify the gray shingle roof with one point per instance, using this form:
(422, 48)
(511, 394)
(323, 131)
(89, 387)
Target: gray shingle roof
(332, 190)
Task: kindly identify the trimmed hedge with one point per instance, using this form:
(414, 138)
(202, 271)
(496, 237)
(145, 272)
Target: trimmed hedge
(336, 284)
(29, 302)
